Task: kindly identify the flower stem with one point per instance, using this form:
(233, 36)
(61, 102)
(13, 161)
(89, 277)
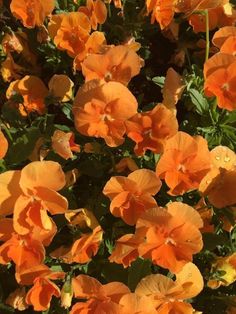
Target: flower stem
(207, 35)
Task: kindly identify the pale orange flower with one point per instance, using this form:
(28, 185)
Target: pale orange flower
(132, 196)
(126, 164)
(171, 235)
(70, 32)
(32, 12)
(33, 91)
(16, 299)
(151, 129)
(169, 296)
(87, 246)
(63, 144)
(10, 70)
(218, 184)
(184, 163)
(96, 11)
(118, 64)
(131, 303)
(222, 35)
(60, 86)
(28, 196)
(229, 46)
(101, 110)
(3, 145)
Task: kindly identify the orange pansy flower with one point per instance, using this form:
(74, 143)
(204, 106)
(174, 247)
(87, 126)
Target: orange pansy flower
(87, 246)
(10, 70)
(40, 295)
(218, 184)
(184, 163)
(101, 298)
(132, 196)
(70, 32)
(162, 11)
(222, 84)
(63, 144)
(95, 44)
(96, 11)
(126, 250)
(16, 299)
(3, 145)
(172, 235)
(119, 63)
(169, 296)
(33, 91)
(32, 12)
(126, 164)
(6, 228)
(101, 111)
(229, 46)
(24, 251)
(222, 35)
(151, 129)
(60, 86)
(131, 303)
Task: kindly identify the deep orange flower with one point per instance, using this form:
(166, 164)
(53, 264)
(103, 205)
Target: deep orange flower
(24, 251)
(96, 11)
(151, 129)
(222, 84)
(32, 12)
(162, 11)
(119, 63)
(70, 32)
(185, 162)
(101, 298)
(169, 296)
(33, 91)
(101, 110)
(44, 289)
(132, 196)
(63, 144)
(87, 246)
(229, 46)
(172, 235)
(3, 145)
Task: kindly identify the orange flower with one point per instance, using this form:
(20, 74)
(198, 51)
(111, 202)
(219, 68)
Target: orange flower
(132, 303)
(126, 250)
(10, 70)
(222, 84)
(33, 91)
(172, 89)
(44, 289)
(28, 196)
(229, 46)
(218, 184)
(87, 246)
(6, 228)
(96, 11)
(63, 144)
(126, 164)
(70, 32)
(222, 35)
(3, 145)
(32, 12)
(185, 162)
(172, 235)
(24, 251)
(162, 11)
(60, 87)
(17, 299)
(95, 44)
(169, 296)
(101, 298)
(101, 111)
(118, 64)
(132, 196)
(151, 129)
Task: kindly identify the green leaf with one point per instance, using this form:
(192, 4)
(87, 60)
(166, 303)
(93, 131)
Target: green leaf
(23, 146)
(201, 104)
(159, 80)
(138, 270)
(67, 110)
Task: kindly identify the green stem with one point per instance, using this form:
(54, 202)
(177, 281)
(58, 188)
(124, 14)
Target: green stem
(207, 36)
(109, 10)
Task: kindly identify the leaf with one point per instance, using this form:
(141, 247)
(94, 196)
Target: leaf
(67, 110)
(201, 104)
(159, 80)
(23, 146)
(138, 270)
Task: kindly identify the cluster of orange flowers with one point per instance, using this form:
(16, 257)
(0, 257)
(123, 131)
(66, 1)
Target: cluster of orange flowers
(105, 108)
